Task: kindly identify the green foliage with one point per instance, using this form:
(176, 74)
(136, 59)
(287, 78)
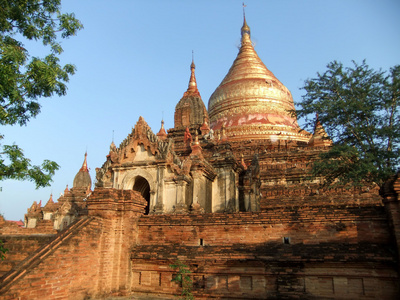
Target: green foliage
(20, 168)
(2, 250)
(183, 279)
(24, 79)
(359, 109)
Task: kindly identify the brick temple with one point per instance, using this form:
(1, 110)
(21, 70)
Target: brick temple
(226, 192)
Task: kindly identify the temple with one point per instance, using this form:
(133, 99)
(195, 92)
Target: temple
(226, 192)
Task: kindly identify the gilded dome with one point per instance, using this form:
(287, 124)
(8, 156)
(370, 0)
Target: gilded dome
(251, 102)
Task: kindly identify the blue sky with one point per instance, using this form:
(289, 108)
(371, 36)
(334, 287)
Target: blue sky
(133, 59)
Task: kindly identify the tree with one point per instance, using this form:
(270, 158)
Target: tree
(359, 109)
(24, 79)
(183, 279)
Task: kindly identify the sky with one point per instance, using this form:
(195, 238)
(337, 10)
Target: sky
(133, 59)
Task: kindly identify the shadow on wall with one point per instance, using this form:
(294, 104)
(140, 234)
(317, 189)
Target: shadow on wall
(314, 251)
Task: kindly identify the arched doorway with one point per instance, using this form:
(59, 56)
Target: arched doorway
(142, 186)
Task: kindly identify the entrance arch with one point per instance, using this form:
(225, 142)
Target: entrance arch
(143, 187)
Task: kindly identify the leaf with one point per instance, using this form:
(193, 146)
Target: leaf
(359, 109)
(24, 80)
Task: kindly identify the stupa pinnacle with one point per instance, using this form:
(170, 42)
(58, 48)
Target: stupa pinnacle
(251, 102)
(82, 178)
(190, 110)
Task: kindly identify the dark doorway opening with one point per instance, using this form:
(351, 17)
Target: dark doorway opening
(143, 187)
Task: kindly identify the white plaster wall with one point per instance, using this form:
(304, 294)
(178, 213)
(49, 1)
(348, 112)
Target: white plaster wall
(224, 190)
(170, 196)
(143, 154)
(200, 190)
(31, 223)
(47, 215)
(216, 198)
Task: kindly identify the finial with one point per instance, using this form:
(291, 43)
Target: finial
(192, 65)
(192, 88)
(192, 81)
(84, 165)
(162, 134)
(245, 29)
(113, 136)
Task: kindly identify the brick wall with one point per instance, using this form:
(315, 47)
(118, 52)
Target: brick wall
(11, 228)
(308, 225)
(279, 280)
(90, 258)
(22, 242)
(20, 247)
(312, 195)
(67, 271)
(330, 251)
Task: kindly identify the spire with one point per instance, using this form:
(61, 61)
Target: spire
(162, 134)
(196, 148)
(113, 147)
(318, 128)
(50, 205)
(205, 129)
(192, 87)
(320, 137)
(245, 29)
(84, 165)
(190, 110)
(82, 178)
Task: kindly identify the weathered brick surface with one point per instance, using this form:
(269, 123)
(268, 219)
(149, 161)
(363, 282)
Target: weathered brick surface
(90, 258)
(333, 252)
(67, 272)
(304, 252)
(22, 242)
(20, 247)
(10, 228)
(308, 225)
(255, 279)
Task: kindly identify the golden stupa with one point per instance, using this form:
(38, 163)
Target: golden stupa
(251, 103)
